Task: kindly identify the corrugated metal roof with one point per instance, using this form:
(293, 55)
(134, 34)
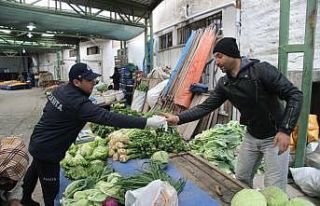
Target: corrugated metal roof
(76, 25)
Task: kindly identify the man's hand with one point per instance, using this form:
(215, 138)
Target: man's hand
(15, 203)
(282, 140)
(171, 119)
(156, 122)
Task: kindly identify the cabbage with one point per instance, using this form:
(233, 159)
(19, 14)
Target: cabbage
(86, 150)
(249, 197)
(160, 156)
(81, 202)
(95, 168)
(76, 172)
(299, 202)
(77, 160)
(99, 152)
(275, 196)
(80, 195)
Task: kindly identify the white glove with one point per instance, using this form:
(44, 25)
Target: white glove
(156, 122)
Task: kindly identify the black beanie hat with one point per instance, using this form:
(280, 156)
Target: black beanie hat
(227, 46)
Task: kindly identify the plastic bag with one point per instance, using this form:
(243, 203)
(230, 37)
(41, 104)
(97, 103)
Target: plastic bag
(308, 179)
(154, 93)
(138, 100)
(156, 193)
(313, 158)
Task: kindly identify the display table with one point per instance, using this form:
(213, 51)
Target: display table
(190, 196)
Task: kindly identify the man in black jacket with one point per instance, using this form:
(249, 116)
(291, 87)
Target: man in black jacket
(67, 111)
(255, 89)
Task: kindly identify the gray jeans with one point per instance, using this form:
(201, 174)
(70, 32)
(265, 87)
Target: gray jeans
(251, 152)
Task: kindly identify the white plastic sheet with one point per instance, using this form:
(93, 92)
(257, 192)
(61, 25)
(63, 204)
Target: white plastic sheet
(308, 179)
(154, 93)
(138, 100)
(156, 193)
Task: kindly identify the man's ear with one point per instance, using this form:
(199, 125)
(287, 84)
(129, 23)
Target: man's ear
(76, 82)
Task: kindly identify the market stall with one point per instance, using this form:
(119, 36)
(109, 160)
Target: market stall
(191, 194)
(125, 153)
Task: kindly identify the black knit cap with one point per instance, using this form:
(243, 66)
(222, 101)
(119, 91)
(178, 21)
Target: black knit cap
(227, 46)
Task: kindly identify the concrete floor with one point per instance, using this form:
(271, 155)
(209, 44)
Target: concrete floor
(21, 109)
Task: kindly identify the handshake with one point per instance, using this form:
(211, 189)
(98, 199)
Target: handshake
(157, 121)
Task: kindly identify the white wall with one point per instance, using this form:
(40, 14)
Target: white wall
(136, 50)
(170, 12)
(47, 62)
(102, 63)
(200, 10)
(67, 63)
(260, 31)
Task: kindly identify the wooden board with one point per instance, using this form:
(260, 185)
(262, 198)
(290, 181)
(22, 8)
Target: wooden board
(187, 130)
(222, 187)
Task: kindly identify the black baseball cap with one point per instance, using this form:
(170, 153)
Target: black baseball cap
(82, 71)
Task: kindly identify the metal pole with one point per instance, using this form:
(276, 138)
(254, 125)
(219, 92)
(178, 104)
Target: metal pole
(151, 41)
(146, 45)
(58, 66)
(306, 80)
(283, 36)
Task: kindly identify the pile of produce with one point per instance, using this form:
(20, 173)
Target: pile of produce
(121, 109)
(86, 159)
(270, 196)
(219, 145)
(101, 130)
(155, 172)
(93, 191)
(142, 87)
(110, 186)
(128, 144)
(101, 87)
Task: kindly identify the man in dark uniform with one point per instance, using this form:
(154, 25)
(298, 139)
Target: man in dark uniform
(67, 111)
(256, 89)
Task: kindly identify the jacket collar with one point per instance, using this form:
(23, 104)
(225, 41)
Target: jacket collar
(246, 63)
(78, 89)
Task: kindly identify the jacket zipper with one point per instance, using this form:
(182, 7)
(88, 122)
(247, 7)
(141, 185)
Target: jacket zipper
(289, 117)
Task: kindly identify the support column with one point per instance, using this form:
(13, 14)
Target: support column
(309, 40)
(78, 53)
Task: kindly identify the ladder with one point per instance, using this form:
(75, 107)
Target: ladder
(308, 49)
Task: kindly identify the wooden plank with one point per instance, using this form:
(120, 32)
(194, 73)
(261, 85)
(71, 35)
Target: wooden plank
(222, 187)
(187, 130)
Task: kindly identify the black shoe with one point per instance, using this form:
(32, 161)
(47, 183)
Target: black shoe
(29, 202)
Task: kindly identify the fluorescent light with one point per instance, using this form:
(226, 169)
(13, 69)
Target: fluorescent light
(47, 35)
(31, 26)
(29, 35)
(6, 31)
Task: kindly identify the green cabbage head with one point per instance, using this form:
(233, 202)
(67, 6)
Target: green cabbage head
(161, 156)
(299, 202)
(249, 197)
(275, 196)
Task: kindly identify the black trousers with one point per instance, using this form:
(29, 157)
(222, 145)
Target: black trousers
(48, 174)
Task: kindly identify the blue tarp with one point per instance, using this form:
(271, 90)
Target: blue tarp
(180, 62)
(191, 195)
